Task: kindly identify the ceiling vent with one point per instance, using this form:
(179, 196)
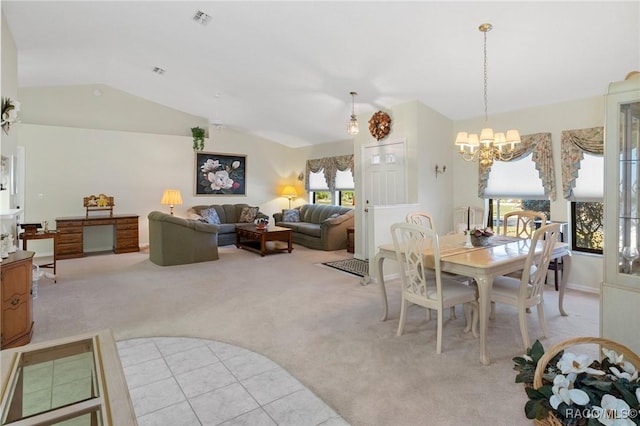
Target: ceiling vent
(158, 70)
(201, 18)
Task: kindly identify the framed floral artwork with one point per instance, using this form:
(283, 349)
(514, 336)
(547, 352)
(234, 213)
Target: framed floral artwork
(221, 174)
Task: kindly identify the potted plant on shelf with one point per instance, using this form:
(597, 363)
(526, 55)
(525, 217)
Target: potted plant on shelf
(198, 138)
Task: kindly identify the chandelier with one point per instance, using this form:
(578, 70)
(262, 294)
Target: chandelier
(489, 146)
(352, 127)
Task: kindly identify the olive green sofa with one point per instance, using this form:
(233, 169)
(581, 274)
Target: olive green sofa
(320, 226)
(229, 215)
(178, 241)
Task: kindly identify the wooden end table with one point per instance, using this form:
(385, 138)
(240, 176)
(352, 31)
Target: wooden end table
(249, 237)
(42, 235)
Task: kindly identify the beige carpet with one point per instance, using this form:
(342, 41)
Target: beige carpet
(318, 323)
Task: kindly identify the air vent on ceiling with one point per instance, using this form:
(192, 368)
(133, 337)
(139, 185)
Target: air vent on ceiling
(201, 18)
(158, 70)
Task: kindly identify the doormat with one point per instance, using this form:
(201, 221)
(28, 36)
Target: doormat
(353, 266)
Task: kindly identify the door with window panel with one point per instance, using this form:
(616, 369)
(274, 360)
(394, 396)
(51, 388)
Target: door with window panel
(621, 287)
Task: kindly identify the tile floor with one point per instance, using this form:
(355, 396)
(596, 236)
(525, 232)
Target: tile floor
(180, 381)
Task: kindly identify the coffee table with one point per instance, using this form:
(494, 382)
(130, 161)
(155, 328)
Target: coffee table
(251, 238)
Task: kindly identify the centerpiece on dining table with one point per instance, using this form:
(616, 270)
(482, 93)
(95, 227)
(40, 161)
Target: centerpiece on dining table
(481, 237)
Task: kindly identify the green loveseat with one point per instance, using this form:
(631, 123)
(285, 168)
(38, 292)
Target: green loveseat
(321, 227)
(177, 241)
(229, 215)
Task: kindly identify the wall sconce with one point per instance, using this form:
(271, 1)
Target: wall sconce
(289, 192)
(440, 170)
(171, 197)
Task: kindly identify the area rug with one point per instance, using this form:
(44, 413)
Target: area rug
(353, 266)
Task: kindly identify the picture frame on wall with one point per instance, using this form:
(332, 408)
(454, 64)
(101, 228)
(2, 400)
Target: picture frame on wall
(220, 174)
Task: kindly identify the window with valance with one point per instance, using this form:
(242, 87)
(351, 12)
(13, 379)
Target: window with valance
(583, 149)
(522, 182)
(330, 167)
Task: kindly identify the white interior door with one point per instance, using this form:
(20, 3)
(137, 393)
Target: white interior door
(384, 180)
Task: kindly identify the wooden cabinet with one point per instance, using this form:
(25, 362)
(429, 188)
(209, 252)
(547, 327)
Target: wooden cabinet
(16, 323)
(69, 239)
(71, 234)
(620, 296)
(126, 235)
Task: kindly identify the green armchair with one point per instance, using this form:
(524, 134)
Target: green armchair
(177, 241)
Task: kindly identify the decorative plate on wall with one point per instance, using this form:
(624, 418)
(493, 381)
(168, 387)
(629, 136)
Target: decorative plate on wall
(379, 125)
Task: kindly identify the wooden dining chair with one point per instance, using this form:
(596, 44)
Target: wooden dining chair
(528, 291)
(424, 284)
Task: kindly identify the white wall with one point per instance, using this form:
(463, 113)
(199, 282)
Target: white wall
(9, 89)
(426, 134)
(65, 164)
(587, 272)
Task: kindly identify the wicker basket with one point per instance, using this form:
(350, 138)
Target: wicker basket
(629, 355)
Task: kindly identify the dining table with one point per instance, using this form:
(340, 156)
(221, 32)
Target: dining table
(503, 255)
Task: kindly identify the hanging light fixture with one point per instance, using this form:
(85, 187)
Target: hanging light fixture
(352, 128)
(489, 146)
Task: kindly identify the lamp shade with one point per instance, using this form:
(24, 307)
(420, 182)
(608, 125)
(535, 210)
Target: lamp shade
(289, 191)
(171, 197)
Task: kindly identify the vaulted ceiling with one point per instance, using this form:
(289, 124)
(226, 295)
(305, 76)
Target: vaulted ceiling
(284, 70)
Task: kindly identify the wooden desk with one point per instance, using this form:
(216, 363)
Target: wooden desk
(41, 235)
(71, 233)
(483, 264)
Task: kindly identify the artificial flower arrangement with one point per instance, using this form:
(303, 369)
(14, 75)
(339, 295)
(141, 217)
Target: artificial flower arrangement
(485, 232)
(568, 389)
(9, 116)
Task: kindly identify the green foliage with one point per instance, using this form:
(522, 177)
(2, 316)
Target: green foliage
(589, 225)
(538, 405)
(198, 138)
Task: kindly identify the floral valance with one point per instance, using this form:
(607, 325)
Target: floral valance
(331, 165)
(539, 145)
(574, 143)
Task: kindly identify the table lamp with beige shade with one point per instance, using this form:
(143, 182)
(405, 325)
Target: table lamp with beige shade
(171, 197)
(289, 192)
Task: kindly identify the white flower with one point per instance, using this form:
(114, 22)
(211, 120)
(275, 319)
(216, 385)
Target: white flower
(613, 357)
(220, 180)
(235, 164)
(563, 393)
(630, 373)
(614, 412)
(210, 166)
(572, 363)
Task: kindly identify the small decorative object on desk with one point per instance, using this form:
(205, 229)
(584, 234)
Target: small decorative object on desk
(481, 237)
(262, 222)
(99, 202)
(569, 389)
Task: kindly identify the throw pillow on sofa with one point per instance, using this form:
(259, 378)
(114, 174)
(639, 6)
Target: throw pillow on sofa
(211, 216)
(292, 215)
(248, 214)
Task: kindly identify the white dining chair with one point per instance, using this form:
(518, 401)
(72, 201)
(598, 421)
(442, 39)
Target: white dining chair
(425, 219)
(424, 284)
(420, 218)
(528, 291)
(522, 223)
(471, 216)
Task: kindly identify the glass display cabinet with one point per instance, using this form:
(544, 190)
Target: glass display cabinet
(73, 381)
(620, 295)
